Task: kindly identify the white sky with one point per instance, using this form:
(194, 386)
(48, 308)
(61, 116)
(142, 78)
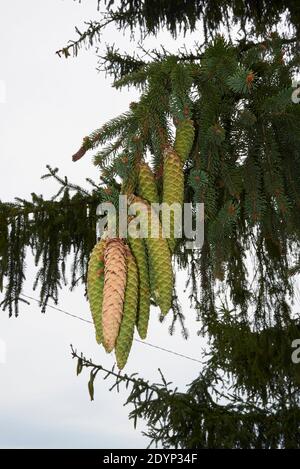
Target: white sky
(47, 105)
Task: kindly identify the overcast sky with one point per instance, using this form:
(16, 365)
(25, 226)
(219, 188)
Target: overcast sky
(47, 105)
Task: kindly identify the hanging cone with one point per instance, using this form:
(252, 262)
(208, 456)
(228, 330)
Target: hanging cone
(95, 283)
(184, 139)
(129, 184)
(138, 248)
(173, 189)
(151, 280)
(147, 185)
(159, 260)
(161, 266)
(125, 337)
(113, 291)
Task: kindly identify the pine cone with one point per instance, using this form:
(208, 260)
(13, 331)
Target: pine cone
(152, 280)
(125, 337)
(184, 139)
(159, 261)
(113, 291)
(147, 184)
(173, 187)
(95, 283)
(138, 249)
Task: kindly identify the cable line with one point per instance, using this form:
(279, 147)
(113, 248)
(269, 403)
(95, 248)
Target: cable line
(136, 340)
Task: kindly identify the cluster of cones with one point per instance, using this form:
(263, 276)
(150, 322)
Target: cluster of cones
(124, 274)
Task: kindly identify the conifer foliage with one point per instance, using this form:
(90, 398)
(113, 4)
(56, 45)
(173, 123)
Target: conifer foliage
(216, 125)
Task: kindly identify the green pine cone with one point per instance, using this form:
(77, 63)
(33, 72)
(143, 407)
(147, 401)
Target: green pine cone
(159, 257)
(184, 139)
(173, 189)
(125, 337)
(138, 249)
(153, 287)
(95, 283)
(160, 265)
(147, 185)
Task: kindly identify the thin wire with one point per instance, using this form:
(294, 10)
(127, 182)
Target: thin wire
(57, 309)
(136, 340)
(169, 351)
